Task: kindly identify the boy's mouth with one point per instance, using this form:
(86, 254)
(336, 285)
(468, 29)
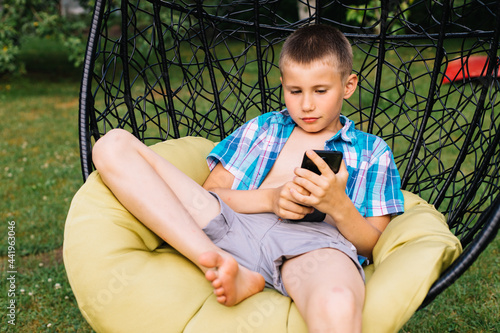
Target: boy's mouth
(309, 119)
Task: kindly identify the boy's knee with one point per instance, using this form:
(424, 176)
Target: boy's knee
(110, 144)
(339, 301)
(336, 309)
(342, 295)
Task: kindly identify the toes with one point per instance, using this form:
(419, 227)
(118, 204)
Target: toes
(216, 283)
(222, 299)
(219, 292)
(211, 275)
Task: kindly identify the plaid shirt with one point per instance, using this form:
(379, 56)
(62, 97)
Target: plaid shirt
(374, 182)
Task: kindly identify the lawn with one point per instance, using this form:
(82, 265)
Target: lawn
(40, 172)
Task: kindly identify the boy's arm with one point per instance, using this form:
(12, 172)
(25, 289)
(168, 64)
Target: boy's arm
(268, 200)
(220, 180)
(362, 232)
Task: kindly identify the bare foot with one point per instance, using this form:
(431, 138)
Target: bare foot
(232, 283)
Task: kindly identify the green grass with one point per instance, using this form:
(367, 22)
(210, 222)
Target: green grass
(39, 152)
(469, 305)
(40, 172)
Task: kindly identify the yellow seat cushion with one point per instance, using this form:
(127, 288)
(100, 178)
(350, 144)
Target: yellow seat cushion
(126, 279)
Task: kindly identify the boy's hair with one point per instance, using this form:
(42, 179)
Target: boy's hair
(318, 42)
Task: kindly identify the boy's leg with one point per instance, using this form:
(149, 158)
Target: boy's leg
(328, 290)
(174, 207)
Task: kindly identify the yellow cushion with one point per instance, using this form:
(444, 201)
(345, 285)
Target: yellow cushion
(126, 279)
(412, 252)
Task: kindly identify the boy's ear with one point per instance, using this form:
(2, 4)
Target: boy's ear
(350, 85)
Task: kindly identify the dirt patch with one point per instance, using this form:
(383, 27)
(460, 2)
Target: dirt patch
(67, 105)
(50, 258)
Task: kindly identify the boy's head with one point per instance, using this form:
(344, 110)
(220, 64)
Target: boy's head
(316, 66)
(318, 43)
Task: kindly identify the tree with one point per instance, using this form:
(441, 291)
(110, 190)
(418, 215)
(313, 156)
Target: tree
(41, 18)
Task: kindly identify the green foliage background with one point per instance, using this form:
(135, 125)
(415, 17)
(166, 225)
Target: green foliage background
(39, 18)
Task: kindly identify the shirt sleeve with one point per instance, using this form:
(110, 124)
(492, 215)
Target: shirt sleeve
(250, 152)
(383, 196)
(235, 153)
(230, 150)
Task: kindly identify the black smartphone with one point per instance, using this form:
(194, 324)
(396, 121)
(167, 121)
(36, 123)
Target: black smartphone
(331, 157)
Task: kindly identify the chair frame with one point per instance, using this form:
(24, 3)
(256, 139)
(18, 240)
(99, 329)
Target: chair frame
(130, 81)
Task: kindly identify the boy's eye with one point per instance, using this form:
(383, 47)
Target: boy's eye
(321, 91)
(294, 92)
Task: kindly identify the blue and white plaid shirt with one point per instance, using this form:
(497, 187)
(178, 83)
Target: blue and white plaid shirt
(374, 182)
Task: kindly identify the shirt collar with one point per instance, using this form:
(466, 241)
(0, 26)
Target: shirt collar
(347, 133)
(285, 118)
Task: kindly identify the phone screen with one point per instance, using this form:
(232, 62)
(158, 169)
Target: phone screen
(332, 158)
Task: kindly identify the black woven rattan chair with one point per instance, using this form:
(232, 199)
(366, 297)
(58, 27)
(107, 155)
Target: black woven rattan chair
(167, 69)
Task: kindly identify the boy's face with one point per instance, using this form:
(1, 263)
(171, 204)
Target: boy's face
(314, 94)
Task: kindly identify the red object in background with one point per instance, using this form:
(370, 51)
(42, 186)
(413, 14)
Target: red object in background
(470, 67)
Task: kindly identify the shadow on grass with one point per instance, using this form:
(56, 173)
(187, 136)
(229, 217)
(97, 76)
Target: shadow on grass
(45, 59)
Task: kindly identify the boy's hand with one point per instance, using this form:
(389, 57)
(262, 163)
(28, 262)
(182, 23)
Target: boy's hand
(285, 206)
(326, 191)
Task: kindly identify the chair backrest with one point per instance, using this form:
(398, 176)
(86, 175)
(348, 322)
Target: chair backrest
(427, 85)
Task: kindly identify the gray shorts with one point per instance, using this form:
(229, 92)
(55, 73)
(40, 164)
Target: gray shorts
(262, 242)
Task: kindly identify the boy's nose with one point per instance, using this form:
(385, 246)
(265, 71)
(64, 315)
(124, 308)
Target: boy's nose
(307, 104)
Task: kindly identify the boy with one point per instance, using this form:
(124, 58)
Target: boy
(239, 227)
